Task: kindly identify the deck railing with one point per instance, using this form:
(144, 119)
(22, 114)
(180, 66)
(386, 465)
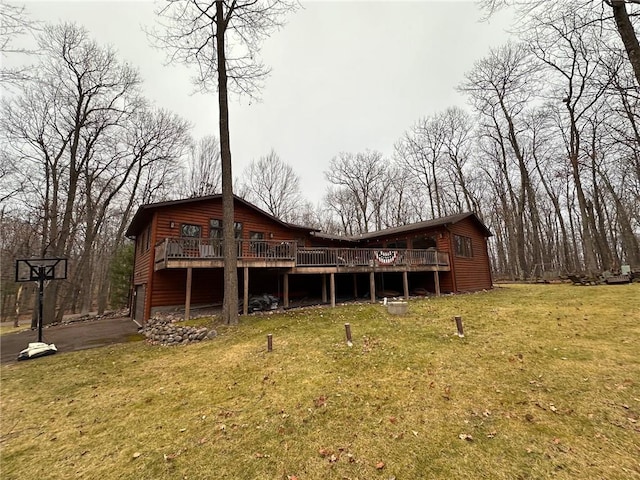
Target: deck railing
(203, 248)
(210, 248)
(362, 257)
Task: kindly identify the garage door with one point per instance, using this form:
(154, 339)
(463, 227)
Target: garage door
(138, 310)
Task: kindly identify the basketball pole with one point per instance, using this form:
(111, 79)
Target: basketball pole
(41, 275)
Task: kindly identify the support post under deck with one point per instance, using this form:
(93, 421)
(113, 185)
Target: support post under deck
(405, 284)
(187, 302)
(286, 290)
(332, 288)
(372, 286)
(324, 288)
(245, 293)
(355, 285)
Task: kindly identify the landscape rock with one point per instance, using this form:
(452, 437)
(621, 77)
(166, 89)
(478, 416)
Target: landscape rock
(164, 331)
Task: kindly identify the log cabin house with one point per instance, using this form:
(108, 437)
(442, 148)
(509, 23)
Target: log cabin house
(179, 264)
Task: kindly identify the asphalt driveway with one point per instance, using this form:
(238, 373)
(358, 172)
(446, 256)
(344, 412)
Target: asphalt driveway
(71, 336)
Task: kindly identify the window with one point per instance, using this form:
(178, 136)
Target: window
(215, 228)
(424, 242)
(147, 240)
(397, 244)
(462, 246)
(190, 230)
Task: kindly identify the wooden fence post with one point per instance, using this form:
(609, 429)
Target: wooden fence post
(459, 326)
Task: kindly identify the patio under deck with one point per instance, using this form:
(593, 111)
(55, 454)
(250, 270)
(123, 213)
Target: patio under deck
(201, 253)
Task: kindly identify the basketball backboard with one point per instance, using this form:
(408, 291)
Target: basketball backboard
(34, 269)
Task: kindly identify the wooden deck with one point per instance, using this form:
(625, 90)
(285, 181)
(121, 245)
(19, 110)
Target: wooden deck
(174, 253)
(289, 258)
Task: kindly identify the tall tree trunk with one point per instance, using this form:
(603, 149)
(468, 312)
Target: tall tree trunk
(588, 241)
(630, 244)
(230, 303)
(628, 35)
(563, 245)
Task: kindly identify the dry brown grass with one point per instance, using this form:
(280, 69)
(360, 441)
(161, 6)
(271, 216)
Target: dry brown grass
(546, 382)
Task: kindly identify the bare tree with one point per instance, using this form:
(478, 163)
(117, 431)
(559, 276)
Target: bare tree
(365, 176)
(405, 200)
(572, 53)
(458, 148)
(85, 141)
(222, 40)
(203, 173)
(341, 202)
(14, 23)
(419, 151)
(500, 86)
(620, 11)
(273, 185)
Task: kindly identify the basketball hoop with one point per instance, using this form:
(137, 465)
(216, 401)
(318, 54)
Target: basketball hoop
(35, 269)
(40, 270)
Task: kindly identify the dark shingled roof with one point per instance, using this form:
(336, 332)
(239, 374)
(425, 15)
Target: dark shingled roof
(436, 222)
(145, 212)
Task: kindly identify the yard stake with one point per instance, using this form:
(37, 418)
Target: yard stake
(459, 326)
(269, 342)
(347, 328)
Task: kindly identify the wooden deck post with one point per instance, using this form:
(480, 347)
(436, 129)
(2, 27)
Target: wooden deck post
(372, 286)
(286, 290)
(245, 293)
(405, 284)
(355, 285)
(187, 302)
(436, 277)
(332, 288)
(324, 288)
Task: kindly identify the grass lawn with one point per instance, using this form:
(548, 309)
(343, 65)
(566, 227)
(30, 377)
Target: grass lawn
(545, 383)
(9, 328)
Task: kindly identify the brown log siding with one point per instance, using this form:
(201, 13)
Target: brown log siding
(170, 285)
(200, 213)
(470, 274)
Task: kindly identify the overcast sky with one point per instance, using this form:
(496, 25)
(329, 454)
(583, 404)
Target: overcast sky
(346, 76)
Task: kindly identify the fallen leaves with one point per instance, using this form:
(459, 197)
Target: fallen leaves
(334, 456)
(380, 465)
(466, 436)
(447, 392)
(171, 456)
(323, 452)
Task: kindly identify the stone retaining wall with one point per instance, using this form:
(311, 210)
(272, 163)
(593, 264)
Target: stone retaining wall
(164, 332)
